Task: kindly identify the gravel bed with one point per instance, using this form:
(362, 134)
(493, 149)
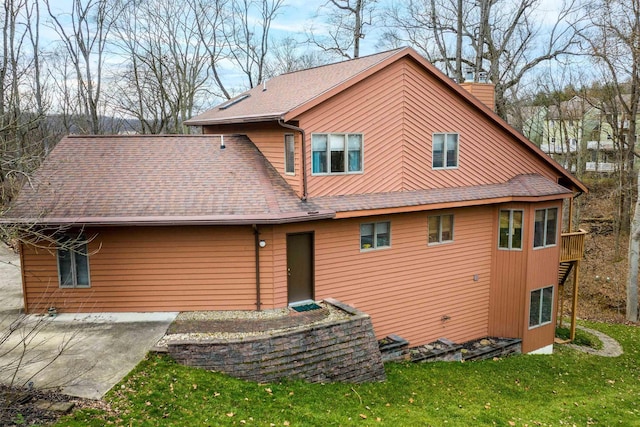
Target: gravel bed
(335, 314)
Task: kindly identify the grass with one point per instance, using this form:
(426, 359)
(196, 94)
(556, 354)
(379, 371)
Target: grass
(566, 388)
(583, 338)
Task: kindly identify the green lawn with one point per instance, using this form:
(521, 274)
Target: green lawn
(567, 388)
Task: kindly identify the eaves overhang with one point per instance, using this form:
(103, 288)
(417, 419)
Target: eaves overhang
(265, 219)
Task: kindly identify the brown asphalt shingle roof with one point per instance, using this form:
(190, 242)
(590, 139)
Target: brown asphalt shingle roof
(519, 187)
(288, 91)
(158, 179)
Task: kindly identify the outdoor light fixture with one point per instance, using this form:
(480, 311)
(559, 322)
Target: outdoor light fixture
(262, 243)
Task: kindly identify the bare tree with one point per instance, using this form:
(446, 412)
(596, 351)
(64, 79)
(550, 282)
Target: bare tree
(501, 39)
(85, 40)
(165, 64)
(613, 38)
(345, 23)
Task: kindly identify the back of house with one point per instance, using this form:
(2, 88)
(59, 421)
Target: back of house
(377, 181)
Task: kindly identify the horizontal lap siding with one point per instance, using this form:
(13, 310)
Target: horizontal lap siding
(409, 287)
(157, 269)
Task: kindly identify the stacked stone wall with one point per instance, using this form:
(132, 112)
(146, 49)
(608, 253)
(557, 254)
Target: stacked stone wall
(344, 350)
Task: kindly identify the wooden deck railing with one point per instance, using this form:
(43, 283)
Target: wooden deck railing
(572, 246)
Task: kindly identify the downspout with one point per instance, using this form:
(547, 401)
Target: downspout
(256, 234)
(304, 155)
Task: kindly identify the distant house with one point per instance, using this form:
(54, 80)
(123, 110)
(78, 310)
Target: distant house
(376, 181)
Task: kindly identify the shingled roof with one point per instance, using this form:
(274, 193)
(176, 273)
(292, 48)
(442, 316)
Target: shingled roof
(111, 180)
(519, 188)
(285, 97)
(284, 93)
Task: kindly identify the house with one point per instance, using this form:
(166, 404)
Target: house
(376, 181)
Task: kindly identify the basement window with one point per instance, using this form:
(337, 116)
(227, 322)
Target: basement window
(73, 262)
(541, 307)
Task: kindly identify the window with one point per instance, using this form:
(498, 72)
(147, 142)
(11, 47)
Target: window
(336, 153)
(445, 150)
(545, 230)
(440, 229)
(73, 263)
(289, 154)
(510, 229)
(541, 307)
(375, 235)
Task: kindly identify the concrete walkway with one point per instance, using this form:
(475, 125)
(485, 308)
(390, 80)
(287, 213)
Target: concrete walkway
(610, 347)
(83, 354)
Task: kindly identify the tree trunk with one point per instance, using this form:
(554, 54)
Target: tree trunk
(634, 255)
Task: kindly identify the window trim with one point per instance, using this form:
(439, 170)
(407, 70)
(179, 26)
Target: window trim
(375, 246)
(444, 151)
(510, 239)
(292, 172)
(345, 150)
(544, 231)
(73, 264)
(440, 241)
(541, 309)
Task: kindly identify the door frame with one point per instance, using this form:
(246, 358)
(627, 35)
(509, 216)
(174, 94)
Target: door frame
(312, 269)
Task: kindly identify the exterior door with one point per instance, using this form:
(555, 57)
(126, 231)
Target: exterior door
(300, 267)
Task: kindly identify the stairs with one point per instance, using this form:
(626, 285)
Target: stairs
(564, 271)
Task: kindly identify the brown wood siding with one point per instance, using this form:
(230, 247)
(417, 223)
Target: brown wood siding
(515, 274)
(269, 138)
(487, 154)
(508, 282)
(409, 287)
(157, 269)
(374, 108)
(398, 109)
(537, 278)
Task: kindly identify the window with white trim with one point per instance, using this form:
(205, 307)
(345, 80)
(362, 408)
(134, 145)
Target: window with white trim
(445, 151)
(375, 235)
(510, 234)
(545, 228)
(289, 154)
(440, 229)
(336, 153)
(541, 307)
(73, 262)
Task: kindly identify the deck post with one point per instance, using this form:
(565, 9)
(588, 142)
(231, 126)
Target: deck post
(574, 303)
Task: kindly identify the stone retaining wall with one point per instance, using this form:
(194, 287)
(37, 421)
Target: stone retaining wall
(343, 350)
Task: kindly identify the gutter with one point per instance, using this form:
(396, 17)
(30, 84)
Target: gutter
(256, 234)
(286, 218)
(304, 154)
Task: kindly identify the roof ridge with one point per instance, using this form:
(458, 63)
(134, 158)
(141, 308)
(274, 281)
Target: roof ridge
(389, 51)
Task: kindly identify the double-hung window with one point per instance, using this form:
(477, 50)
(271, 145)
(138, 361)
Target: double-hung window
(336, 153)
(546, 227)
(541, 307)
(73, 263)
(445, 150)
(289, 154)
(440, 229)
(375, 235)
(510, 235)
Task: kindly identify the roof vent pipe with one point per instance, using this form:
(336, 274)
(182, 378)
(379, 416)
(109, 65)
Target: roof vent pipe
(222, 146)
(264, 85)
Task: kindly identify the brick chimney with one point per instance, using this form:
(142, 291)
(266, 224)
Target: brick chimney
(484, 92)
